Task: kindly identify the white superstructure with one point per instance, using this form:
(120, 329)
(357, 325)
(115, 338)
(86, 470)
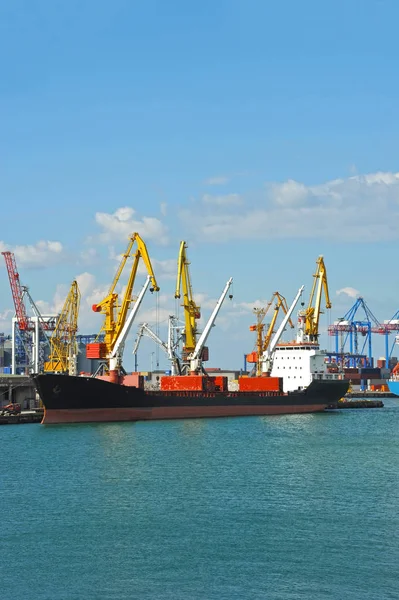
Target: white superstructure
(299, 364)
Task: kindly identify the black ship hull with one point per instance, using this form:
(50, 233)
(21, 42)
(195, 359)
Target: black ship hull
(69, 399)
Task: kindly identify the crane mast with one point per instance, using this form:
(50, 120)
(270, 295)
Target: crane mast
(191, 310)
(63, 345)
(308, 319)
(117, 324)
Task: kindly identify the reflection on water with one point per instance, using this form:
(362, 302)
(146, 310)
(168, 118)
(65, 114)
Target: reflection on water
(292, 507)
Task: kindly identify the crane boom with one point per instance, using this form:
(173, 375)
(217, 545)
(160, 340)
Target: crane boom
(116, 321)
(168, 348)
(115, 357)
(63, 345)
(280, 304)
(267, 357)
(308, 330)
(191, 310)
(195, 357)
(16, 290)
(115, 314)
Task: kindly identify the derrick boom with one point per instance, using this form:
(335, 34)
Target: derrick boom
(262, 342)
(192, 311)
(63, 345)
(309, 318)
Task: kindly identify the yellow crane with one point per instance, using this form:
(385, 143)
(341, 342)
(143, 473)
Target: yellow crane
(116, 322)
(192, 311)
(63, 347)
(262, 343)
(308, 326)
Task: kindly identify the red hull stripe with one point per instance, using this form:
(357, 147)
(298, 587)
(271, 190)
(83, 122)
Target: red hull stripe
(181, 412)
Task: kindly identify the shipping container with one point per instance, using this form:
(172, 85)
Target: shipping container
(96, 350)
(184, 382)
(221, 383)
(260, 384)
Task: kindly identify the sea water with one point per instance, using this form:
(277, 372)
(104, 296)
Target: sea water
(282, 507)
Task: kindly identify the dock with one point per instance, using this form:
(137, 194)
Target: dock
(358, 403)
(26, 416)
(369, 394)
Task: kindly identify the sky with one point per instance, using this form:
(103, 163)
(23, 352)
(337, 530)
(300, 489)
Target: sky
(263, 134)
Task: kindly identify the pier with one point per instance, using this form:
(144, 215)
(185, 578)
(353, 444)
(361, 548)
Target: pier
(26, 416)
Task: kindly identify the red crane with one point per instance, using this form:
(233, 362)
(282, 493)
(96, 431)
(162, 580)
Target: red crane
(16, 289)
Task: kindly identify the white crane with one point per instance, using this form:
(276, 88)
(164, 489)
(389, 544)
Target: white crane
(115, 357)
(268, 355)
(169, 348)
(194, 358)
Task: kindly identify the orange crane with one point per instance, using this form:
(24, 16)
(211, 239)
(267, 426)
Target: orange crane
(262, 342)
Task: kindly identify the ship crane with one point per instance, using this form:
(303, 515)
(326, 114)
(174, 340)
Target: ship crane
(169, 347)
(262, 343)
(308, 319)
(117, 321)
(63, 343)
(195, 358)
(192, 311)
(268, 354)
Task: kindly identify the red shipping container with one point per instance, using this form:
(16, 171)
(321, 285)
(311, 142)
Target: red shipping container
(260, 384)
(184, 383)
(133, 380)
(96, 350)
(220, 382)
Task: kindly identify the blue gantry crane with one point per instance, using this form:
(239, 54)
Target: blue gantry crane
(356, 327)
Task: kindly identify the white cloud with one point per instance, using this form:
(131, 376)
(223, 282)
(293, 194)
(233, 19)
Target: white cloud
(361, 208)
(5, 320)
(124, 222)
(348, 291)
(226, 200)
(218, 180)
(89, 256)
(41, 254)
(290, 193)
(164, 209)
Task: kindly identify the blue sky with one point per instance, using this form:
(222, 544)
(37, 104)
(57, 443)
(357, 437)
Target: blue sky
(264, 134)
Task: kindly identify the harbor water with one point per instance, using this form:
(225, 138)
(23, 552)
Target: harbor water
(281, 508)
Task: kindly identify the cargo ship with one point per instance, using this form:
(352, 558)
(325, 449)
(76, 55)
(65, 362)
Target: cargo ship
(294, 380)
(393, 385)
(393, 381)
(80, 399)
